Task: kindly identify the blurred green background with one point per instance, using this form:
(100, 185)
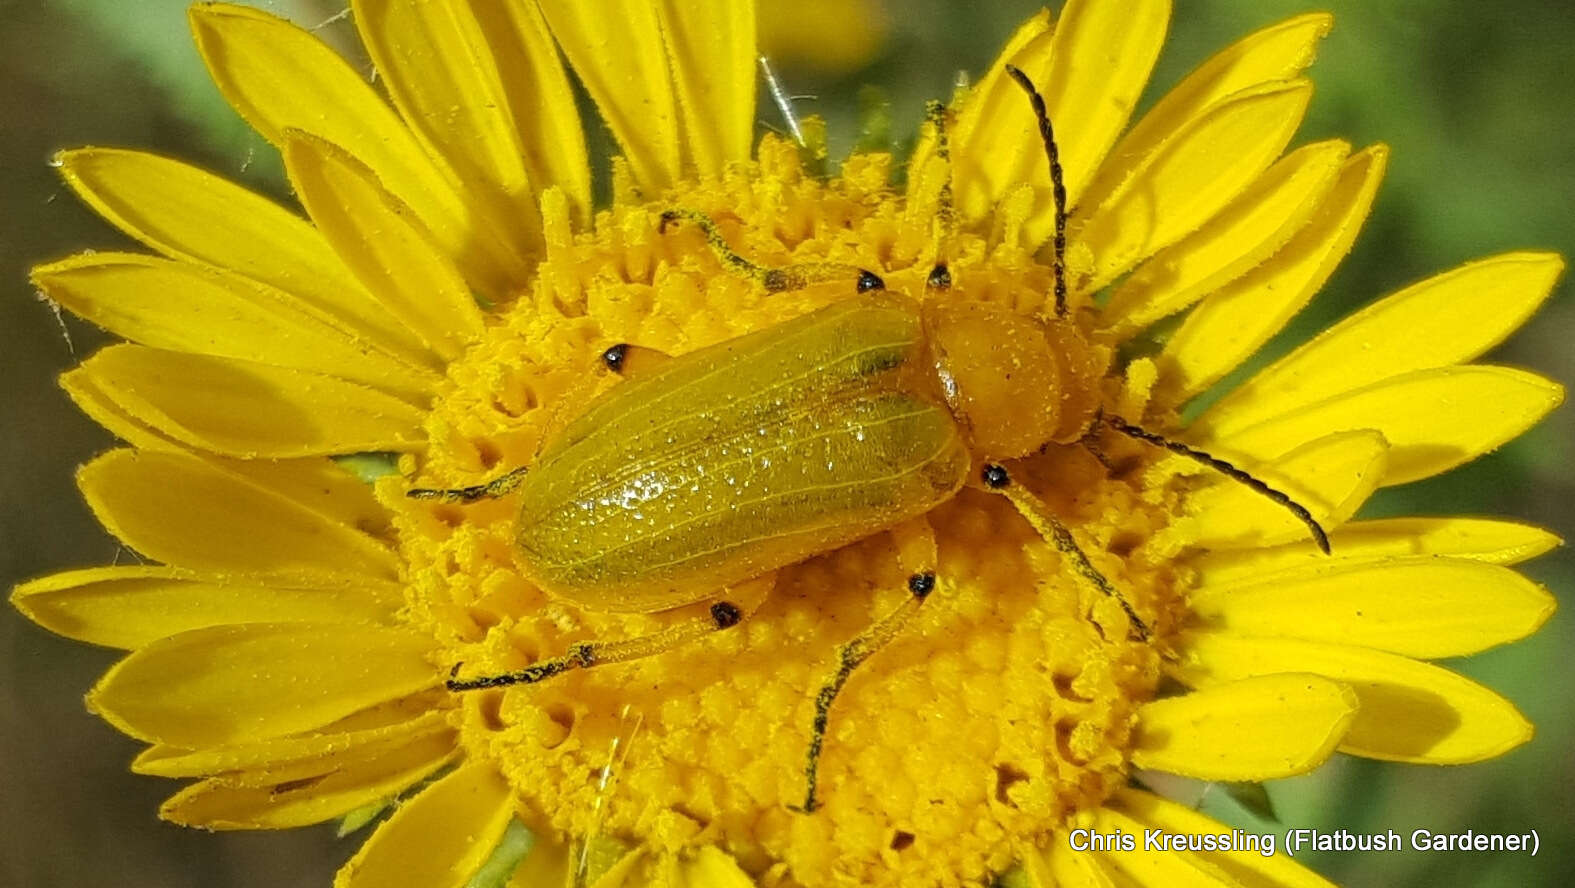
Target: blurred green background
(1473, 97)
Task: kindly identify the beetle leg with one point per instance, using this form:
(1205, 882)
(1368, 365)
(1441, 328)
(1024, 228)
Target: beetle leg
(915, 543)
(1036, 513)
(1091, 443)
(720, 615)
(502, 485)
(936, 115)
(777, 279)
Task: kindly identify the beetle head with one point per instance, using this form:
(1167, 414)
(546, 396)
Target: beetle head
(1014, 383)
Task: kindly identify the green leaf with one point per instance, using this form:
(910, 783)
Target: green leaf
(369, 466)
(814, 149)
(361, 817)
(511, 849)
(598, 855)
(874, 120)
(1016, 877)
(1253, 797)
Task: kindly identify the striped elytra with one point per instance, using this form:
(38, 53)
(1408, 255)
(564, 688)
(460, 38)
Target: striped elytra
(737, 459)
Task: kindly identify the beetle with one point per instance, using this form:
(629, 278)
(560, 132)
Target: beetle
(712, 468)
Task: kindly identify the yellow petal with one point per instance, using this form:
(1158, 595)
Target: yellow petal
(1058, 866)
(1410, 711)
(1258, 728)
(188, 512)
(1369, 542)
(1248, 866)
(250, 410)
(548, 865)
(1100, 59)
(281, 78)
(1425, 606)
(439, 71)
(398, 711)
(387, 247)
(712, 47)
(1170, 868)
(319, 484)
(231, 684)
(129, 607)
(409, 714)
(1444, 320)
(1232, 323)
(331, 788)
(103, 410)
(1093, 69)
(612, 864)
(439, 838)
(623, 63)
(321, 487)
(993, 146)
(257, 763)
(191, 214)
(1238, 239)
(1189, 178)
(1276, 53)
(1330, 477)
(712, 867)
(184, 307)
(538, 92)
(1434, 419)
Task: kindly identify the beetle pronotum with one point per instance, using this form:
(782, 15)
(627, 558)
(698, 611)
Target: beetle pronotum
(718, 466)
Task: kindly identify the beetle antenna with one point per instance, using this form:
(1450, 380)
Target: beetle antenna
(1057, 183)
(1227, 469)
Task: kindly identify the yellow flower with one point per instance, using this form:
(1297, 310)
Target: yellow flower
(448, 302)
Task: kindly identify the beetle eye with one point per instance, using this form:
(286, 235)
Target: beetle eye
(869, 280)
(940, 277)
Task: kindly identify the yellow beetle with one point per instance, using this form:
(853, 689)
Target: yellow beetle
(719, 466)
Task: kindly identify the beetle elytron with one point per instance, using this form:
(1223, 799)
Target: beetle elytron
(724, 464)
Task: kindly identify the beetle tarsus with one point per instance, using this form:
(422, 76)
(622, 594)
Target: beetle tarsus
(849, 656)
(579, 656)
(497, 487)
(528, 675)
(946, 208)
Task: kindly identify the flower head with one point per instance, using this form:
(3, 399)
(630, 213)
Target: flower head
(450, 300)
